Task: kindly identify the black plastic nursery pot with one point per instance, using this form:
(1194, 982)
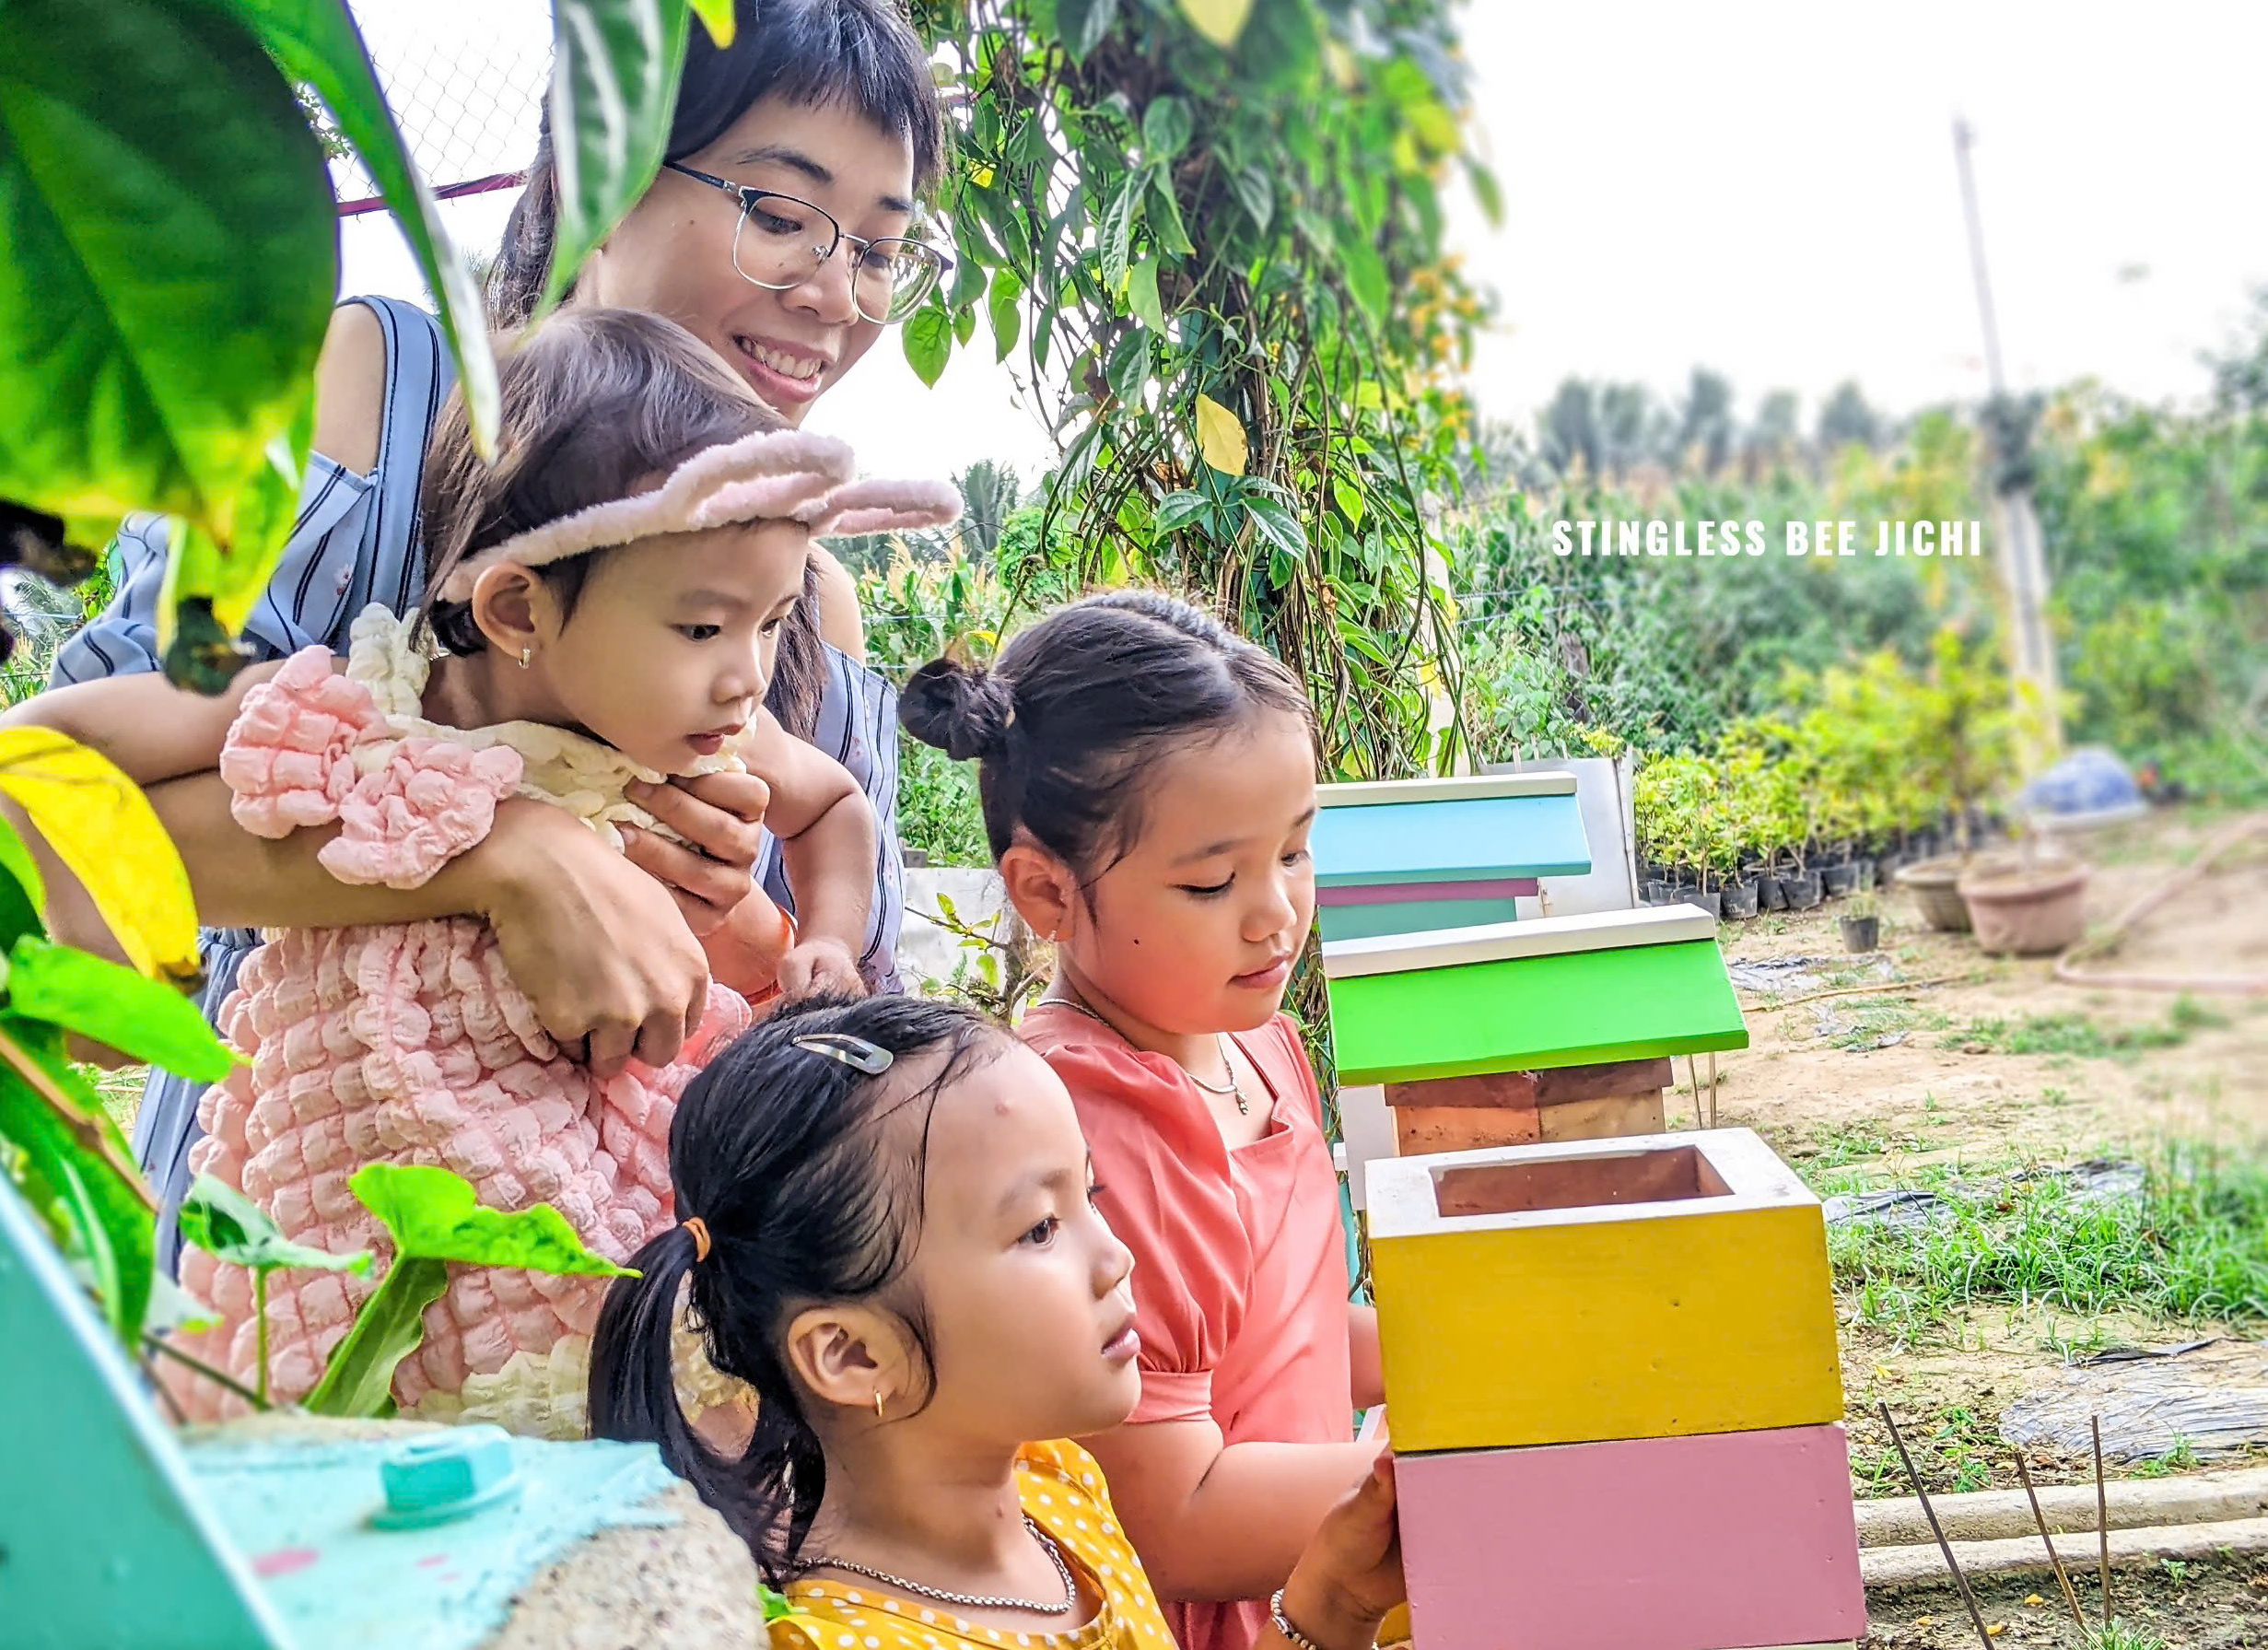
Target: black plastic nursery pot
(1861, 933)
(1770, 895)
(1838, 880)
(1737, 900)
(1862, 872)
(1802, 888)
(1712, 902)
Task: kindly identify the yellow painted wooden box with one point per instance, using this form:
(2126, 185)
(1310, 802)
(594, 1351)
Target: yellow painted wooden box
(1641, 1288)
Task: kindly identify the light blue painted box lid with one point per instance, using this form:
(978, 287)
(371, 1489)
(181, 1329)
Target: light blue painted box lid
(1469, 829)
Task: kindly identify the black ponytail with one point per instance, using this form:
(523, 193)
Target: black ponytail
(1066, 726)
(781, 1154)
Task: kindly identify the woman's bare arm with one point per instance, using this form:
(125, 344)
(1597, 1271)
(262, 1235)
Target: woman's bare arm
(840, 622)
(152, 730)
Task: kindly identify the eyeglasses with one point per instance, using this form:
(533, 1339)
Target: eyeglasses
(782, 242)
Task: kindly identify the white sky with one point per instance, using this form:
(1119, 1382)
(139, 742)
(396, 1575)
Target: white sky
(1765, 189)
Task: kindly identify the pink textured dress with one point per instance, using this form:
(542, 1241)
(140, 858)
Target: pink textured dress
(409, 1043)
(1240, 1276)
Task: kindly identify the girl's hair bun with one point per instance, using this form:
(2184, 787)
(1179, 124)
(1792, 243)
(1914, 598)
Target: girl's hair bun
(963, 711)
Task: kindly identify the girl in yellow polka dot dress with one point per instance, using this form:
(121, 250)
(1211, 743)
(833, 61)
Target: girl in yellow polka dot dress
(888, 1230)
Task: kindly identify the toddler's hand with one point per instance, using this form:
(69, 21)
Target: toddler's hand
(1350, 1574)
(820, 966)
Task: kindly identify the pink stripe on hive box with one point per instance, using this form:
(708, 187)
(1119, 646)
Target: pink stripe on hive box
(1392, 894)
(1705, 1542)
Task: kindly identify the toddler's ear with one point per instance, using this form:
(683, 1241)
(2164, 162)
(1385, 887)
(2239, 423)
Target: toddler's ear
(504, 599)
(1041, 887)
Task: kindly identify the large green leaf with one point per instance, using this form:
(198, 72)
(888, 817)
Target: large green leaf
(929, 341)
(436, 1215)
(170, 262)
(1083, 23)
(107, 1213)
(358, 1381)
(317, 41)
(224, 1223)
(613, 85)
(116, 1006)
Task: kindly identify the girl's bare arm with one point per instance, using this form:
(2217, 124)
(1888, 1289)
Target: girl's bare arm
(826, 835)
(1214, 1520)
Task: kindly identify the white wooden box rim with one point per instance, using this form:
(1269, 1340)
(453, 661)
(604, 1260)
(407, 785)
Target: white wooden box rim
(1496, 941)
(1404, 1200)
(1463, 788)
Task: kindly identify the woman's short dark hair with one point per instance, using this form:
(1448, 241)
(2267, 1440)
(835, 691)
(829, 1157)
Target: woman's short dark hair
(596, 403)
(788, 1157)
(858, 55)
(1081, 707)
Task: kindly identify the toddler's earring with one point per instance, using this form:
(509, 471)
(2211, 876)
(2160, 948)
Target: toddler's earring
(525, 655)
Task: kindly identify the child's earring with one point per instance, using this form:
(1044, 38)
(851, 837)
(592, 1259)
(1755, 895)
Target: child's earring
(878, 1416)
(526, 654)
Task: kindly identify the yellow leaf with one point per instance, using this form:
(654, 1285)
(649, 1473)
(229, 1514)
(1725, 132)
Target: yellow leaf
(1220, 437)
(1220, 21)
(716, 15)
(104, 830)
(2034, 1598)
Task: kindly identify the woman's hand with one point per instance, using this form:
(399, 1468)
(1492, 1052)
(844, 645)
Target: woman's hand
(820, 966)
(720, 816)
(1350, 1574)
(602, 949)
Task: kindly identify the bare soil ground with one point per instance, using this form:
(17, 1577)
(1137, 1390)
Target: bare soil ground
(1892, 1080)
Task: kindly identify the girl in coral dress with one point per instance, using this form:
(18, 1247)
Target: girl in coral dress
(605, 602)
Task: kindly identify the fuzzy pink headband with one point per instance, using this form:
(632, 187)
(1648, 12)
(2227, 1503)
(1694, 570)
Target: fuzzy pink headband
(774, 475)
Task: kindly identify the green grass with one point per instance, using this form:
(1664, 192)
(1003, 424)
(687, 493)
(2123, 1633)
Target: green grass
(2075, 1035)
(1835, 1148)
(1954, 1450)
(2193, 1247)
(2118, 1635)
(1879, 1018)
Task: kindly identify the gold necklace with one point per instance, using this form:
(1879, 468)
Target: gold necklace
(1231, 1090)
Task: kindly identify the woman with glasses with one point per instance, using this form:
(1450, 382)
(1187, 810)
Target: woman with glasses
(785, 233)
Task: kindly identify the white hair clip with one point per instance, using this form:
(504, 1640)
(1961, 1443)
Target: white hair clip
(854, 1052)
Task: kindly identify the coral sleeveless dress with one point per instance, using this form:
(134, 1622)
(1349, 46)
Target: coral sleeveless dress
(409, 1043)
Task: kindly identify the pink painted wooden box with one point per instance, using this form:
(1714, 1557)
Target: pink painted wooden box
(1712, 1541)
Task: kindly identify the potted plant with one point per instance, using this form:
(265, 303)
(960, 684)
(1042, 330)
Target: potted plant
(1962, 745)
(1861, 923)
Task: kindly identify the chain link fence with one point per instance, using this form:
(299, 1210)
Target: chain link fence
(466, 80)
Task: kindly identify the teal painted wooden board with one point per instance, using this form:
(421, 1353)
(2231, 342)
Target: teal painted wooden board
(107, 1543)
(1410, 917)
(1526, 1013)
(1458, 839)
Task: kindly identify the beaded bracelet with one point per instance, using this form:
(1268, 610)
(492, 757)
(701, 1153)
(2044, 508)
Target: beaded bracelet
(1298, 1640)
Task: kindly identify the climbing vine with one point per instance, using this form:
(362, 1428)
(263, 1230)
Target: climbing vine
(1209, 237)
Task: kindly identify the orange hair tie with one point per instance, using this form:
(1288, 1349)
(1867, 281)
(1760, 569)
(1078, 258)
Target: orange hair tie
(699, 1228)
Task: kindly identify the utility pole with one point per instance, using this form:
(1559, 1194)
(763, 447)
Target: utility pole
(2023, 561)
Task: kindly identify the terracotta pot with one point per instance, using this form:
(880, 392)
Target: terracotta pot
(1935, 884)
(2025, 911)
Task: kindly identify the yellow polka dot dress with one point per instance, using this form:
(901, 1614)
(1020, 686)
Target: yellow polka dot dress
(1063, 1491)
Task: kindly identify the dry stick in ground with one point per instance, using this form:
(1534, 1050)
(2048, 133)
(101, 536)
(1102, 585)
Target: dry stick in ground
(1975, 1617)
(1712, 1088)
(1887, 985)
(2102, 1518)
(2024, 1472)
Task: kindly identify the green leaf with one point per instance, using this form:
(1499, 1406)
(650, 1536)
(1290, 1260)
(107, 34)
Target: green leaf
(1083, 23)
(1007, 317)
(613, 85)
(1166, 124)
(358, 1381)
(1349, 497)
(964, 325)
(436, 1215)
(1277, 525)
(317, 41)
(1142, 296)
(1366, 276)
(1257, 192)
(1176, 510)
(109, 1214)
(1165, 218)
(1118, 231)
(1128, 371)
(170, 262)
(224, 1223)
(23, 897)
(116, 1006)
(928, 343)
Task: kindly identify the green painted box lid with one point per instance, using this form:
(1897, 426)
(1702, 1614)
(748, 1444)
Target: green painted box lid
(1529, 996)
